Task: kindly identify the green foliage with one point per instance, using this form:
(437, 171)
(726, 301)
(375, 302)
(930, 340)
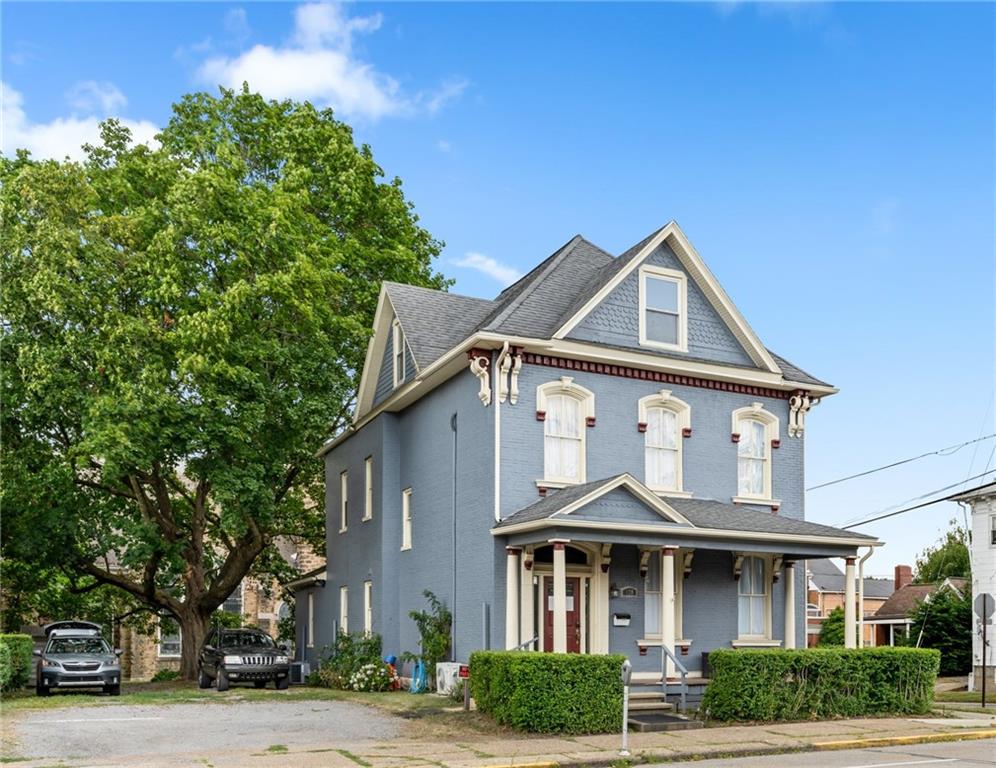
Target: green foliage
(6, 671)
(21, 651)
(434, 628)
(549, 692)
(227, 620)
(287, 625)
(948, 557)
(347, 656)
(375, 676)
(832, 629)
(456, 692)
(945, 622)
(819, 683)
(182, 326)
(165, 675)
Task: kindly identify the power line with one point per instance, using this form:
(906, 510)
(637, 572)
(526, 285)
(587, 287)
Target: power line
(917, 506)
(939, 452)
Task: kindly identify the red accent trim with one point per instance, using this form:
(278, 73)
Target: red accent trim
(686, 431)
(512, 551)
(776, 443)
(542, 491)
(735, 437)
(626, 372)
(605, 567)
(528, 564)
(558, 545)
(849, 560)
(774, 509)
(540, 415)
(641, 426)
(590, 421)
(643, 650)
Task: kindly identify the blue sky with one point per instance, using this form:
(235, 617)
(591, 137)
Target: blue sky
(833, 164)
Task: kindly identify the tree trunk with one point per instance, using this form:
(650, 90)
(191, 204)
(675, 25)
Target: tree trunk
(194, 627)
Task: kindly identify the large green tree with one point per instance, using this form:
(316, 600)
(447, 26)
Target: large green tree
(944, 622)
(182, 326)
(948, 557)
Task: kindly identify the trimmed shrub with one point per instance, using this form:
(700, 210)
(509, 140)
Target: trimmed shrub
(21, 648)
(165, 676)
(549, 692)
(781, 684)
(346, 657)
(5, 669)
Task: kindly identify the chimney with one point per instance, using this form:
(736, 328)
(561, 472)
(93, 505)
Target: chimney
(904, 576)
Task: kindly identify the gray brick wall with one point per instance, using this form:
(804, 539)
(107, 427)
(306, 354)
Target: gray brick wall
(616, 320)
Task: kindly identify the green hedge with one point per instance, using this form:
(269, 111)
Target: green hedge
(5, 669)
(21, 649)
(549, 692)
(819, 682)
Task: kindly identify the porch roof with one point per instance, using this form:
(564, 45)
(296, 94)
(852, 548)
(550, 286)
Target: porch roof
(575, 512)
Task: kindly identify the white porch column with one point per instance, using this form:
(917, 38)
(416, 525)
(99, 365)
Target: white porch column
(850, 626)
(511, 597)
(667, 602)
(559, 598)
(527, 620)
(789, 576)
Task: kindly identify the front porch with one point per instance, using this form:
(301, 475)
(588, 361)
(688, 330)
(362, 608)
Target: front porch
(612, 568)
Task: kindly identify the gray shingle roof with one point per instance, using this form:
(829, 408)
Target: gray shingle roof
(435, 321)
(701, 513)
(794, 373)
(827, 577)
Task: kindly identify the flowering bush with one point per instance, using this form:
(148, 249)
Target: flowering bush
(374, 677)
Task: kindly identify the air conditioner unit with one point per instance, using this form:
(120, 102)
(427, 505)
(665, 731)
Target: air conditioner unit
(447, 675)
(299, 671)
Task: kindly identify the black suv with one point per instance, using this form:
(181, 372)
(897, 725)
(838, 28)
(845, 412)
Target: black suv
(242, 656)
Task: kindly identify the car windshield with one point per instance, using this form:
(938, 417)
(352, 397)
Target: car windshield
(77, 645)
(245, 639)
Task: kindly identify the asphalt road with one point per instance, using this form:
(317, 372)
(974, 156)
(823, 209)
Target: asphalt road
(954, 754)
(121, 731)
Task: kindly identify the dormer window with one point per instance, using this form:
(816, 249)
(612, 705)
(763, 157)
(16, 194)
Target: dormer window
(398, 352)
(663, 315)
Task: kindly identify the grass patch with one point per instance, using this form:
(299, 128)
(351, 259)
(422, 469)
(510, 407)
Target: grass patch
(968, 697)
(355, 758)
(275, 748)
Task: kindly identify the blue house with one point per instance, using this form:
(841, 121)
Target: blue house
(604, 458)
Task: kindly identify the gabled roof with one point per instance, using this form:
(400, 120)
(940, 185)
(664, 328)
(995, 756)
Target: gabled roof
(827, 577)
(904, 600)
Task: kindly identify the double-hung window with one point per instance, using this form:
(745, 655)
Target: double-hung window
(665, 420)
(755, 432)
(368, 607)
(368, 488)
(406, 518)
(169, 640)
(343, 501)
(397, 353)
(663, 315)
(566, 409)
(753, 598)
(344, 610)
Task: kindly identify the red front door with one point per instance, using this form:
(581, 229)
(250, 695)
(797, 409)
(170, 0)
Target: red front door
(573, 615)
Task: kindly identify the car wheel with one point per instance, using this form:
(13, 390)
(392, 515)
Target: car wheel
(222, 680)
(203, 681)
(112, 690)
(282, 683)
(259, 683)
(43, 690)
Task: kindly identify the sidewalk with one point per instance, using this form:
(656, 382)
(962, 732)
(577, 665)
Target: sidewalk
(588, 750)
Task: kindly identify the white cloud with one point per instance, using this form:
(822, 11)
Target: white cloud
(493, 268)
(59, 138)
(318, 64)
(99, 98)
(236, 25)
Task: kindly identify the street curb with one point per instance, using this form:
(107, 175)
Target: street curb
(822, 746)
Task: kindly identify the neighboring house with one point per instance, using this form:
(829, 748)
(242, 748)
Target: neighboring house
(892, 621)
(826, 592)
(605, 458)
(983, 558)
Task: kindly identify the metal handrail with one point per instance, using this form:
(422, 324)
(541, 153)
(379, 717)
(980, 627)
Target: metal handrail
(667, 653)
(522, 646)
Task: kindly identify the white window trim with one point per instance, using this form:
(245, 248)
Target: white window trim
(992, 531)
(241, 589)
(683, 420)
(343, 501)
(756, 412)
(677, 277)
(766, 639)
(344, 610)
(406, 519)
(566, 385)
(310, 641)
(397, 345)
(368, 607)
(159, 640)
(368, 489)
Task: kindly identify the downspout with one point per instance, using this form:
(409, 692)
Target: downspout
(453, 608)
(861, 597)
(497, 451)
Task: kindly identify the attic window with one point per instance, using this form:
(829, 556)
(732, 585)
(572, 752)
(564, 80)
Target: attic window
(663, 316)
(397, 352)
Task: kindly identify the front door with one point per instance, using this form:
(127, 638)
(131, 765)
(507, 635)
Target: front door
(573, 585)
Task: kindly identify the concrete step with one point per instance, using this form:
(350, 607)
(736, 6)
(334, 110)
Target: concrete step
(651, 705)
(662, 722)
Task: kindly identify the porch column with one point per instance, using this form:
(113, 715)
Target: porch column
(850, 626)
(789, 576)
(559, 598)
(527, 620)
(667, 603)
(511, 597)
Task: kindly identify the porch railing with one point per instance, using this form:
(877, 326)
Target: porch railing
(667, 653)
(524, 646)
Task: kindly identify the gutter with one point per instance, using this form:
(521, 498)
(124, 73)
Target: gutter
(308, 580)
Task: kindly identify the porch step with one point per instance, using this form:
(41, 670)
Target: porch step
(646, 721)
(650, 705)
